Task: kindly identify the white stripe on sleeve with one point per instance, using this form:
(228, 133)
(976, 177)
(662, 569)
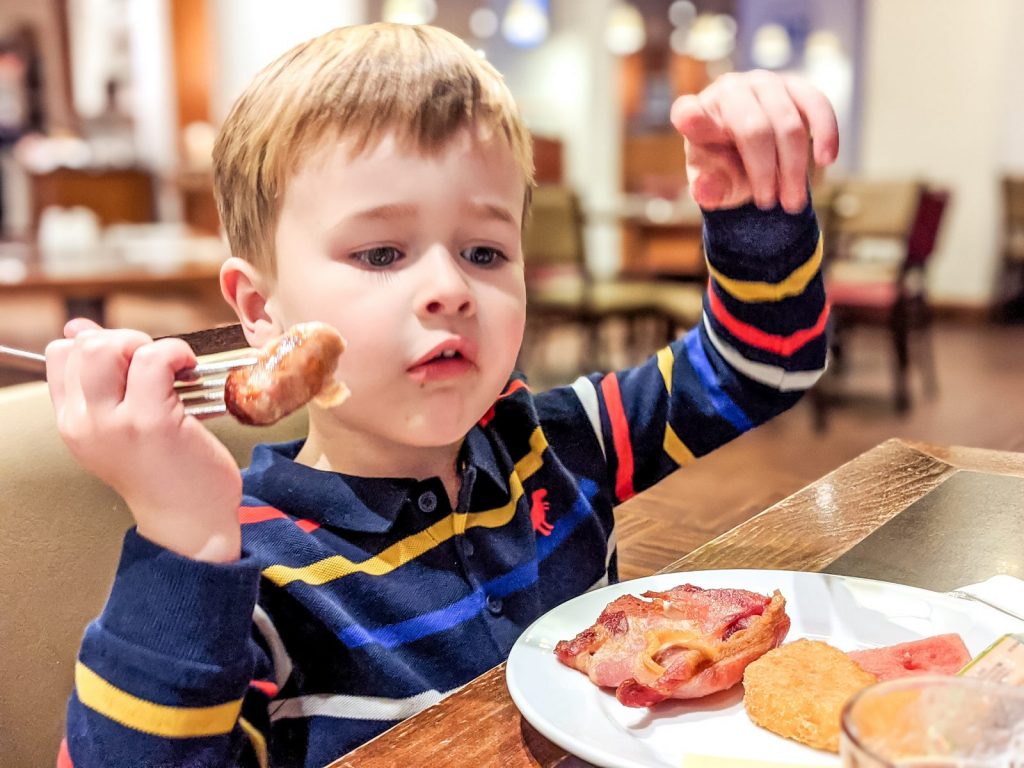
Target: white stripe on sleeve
(282, 661)
(356, 707)
(585, 391)
(771, 375)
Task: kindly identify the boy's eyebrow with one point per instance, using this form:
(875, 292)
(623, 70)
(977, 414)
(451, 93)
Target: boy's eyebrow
(491, 211)
(390, 211)
(407, 210)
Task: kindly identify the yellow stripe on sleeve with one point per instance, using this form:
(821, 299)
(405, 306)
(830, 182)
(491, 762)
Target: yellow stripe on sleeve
(412, 547)
(665, 361)
(753, 291)
(676, 449)
(672, 445)
(258, 740)
(156, 719)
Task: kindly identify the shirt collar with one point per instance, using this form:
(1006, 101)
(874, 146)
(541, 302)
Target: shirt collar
(362, 504)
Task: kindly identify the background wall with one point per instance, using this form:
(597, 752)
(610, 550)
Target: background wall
(942, 100)
(249, 34)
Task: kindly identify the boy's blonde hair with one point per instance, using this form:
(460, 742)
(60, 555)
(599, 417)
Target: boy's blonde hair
(357, 84)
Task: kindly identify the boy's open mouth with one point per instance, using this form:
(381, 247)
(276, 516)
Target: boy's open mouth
(452, 357)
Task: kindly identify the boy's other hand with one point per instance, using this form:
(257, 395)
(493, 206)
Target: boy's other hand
(747, 137)
(118, 413)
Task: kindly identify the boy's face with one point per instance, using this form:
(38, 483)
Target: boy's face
(417, 261)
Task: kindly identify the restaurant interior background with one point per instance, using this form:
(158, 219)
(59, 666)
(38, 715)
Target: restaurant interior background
(108, 109)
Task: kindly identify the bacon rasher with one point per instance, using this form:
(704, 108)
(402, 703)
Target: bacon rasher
(680, 644)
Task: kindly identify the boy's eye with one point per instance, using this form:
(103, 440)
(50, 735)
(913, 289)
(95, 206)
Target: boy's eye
(383, 256)
(482, 255)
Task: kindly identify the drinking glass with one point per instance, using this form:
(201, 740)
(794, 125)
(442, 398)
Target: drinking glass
(934, 722)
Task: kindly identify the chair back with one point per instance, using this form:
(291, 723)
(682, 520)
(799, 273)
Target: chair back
(553, 237)
(1013, 217)
(925, 230)
(60, 530)
(868, 208)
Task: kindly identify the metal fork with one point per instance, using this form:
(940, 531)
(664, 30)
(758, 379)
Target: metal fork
(201, 389)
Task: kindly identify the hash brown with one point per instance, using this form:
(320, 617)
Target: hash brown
(798, 690)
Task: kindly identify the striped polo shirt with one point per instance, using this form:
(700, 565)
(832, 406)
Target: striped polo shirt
(359, 601)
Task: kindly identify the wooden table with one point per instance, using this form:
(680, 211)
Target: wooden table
(480, 726)
(85, 279)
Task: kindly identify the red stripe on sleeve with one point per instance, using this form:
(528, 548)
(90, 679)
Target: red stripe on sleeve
(620, 437)
(249, 515)
(63, 756)
(784, 346)
(266, 686)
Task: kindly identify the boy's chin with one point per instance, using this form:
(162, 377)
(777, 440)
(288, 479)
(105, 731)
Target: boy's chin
(439, 433)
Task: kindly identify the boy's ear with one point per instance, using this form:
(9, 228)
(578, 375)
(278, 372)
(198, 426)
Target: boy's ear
(247, 291)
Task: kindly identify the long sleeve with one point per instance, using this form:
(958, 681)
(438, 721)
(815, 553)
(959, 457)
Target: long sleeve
(171, 672)
(760, 344)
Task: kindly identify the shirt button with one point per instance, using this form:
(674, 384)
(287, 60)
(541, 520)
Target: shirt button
(427, 502)
(494, 605)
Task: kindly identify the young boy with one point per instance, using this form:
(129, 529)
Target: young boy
(377, 178)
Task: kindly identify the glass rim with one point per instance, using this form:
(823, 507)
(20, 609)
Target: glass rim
(915, 681)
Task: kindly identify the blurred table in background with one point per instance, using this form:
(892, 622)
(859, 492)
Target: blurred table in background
(86, 278)
(661, 238)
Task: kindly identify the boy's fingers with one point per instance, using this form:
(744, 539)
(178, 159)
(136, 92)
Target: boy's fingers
(754, 139)
(151, 374)
(790, 141)
(105, 357)
(57, 353)
(820, 118)
(711, 189)
(696, 123)
(79, 325)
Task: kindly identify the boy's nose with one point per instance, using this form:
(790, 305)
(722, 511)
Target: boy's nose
(446, 290)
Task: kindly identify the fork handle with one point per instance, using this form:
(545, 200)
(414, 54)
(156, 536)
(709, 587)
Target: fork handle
(31, 360)
(210, 341)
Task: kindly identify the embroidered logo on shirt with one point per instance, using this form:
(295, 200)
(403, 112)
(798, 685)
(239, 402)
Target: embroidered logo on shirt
(539, 512)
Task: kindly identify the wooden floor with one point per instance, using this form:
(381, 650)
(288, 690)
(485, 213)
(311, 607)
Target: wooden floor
(980, 403)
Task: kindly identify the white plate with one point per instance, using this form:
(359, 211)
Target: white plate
(849, 613)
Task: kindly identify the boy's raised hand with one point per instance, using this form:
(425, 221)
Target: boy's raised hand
(747, 137)
(113, 393)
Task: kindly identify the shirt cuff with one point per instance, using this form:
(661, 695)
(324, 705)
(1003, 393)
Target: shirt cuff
(747, 243)
(181, 607)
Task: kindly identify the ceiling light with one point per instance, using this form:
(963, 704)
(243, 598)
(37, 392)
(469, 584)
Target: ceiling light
(483, 23)
(409, 11)
(711, 37)
(526, 22)
(625, 33)
(682, 12)
(771, 47)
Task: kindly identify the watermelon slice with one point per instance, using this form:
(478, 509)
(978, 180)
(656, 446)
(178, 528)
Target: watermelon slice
(938, 655)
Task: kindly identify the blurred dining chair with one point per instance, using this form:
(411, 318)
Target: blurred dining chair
(1011, 301)
(61, 531)
(560, 287)
(886, 293)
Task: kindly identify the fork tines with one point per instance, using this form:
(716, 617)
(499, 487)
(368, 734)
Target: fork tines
(201, 389)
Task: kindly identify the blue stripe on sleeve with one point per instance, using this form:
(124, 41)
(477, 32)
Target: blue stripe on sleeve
(724, 405)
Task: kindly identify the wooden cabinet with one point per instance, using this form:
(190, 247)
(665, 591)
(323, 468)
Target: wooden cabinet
(656, 249)
(115, 195)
